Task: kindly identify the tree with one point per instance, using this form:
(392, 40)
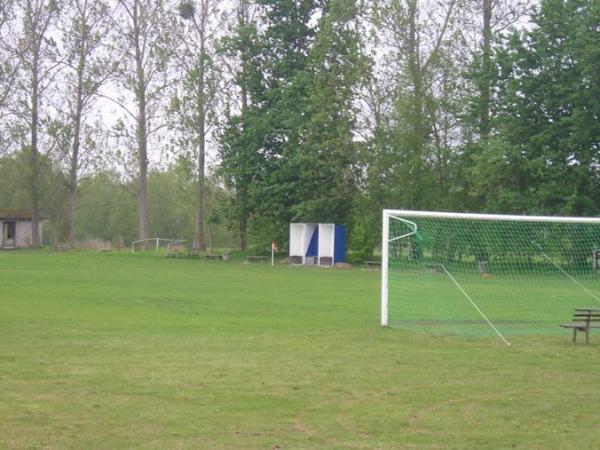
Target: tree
(15, 190)
(327, 159)
(196, 102)
(7, 70)
(107, 208)
(291, 151)
(5, 12)
(37, 55)
(482, 24)
(89, 65)
(412, 144)
(495, 16)
(238, 152)
(145, 42)
(545, 156)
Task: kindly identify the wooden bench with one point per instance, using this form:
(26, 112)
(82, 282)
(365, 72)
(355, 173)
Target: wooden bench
(255, 259)
(583, 320)
(174, 251)
(212, 257)
(373, 264)
(63, 246)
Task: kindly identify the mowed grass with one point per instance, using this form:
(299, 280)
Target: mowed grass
(518, 303)
(137, 351)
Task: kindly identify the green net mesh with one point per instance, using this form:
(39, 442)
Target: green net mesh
(447, 275)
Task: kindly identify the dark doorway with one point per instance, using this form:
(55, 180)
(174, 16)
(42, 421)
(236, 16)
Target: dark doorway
(8, 234)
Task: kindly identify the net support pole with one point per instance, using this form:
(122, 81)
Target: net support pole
(594, 296)
(384, 268)
(474, 305)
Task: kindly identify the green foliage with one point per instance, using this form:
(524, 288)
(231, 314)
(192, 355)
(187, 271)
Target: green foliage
(361, 244)
(545, 154)
(169, 201)
(310, 131)
(262, 231)
(107, 207)
(14, 181)
(15, 190)
(365, 231)
(411, 160)
(290, 155)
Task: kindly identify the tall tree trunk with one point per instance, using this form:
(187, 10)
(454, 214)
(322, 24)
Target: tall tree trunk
(35, 170)
(242, 190)
(73, 186)
(73, 179)
(199, 231)
(414, 68)
(485, 80)
(199, 241)
(144, 223)
(243, 198)
(141, 130)
(416, 120)
(243, 195)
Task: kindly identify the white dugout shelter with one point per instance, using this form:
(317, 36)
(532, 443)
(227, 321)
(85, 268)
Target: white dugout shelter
(322, 244)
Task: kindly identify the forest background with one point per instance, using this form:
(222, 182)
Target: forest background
(221, 122)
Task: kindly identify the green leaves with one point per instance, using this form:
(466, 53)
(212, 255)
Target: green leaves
(290, 154)
(548, 113)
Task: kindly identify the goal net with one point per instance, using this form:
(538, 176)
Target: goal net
(486, 274)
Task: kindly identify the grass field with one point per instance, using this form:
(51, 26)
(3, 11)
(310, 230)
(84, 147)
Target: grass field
(521, 303)
(137, 351)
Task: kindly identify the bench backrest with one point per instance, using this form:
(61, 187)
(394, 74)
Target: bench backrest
(588, 316)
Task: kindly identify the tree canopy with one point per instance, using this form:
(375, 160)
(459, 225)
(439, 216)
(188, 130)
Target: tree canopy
(223, 122)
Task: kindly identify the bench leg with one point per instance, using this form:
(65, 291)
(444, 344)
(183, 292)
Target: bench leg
(587, 336)
(574, 336)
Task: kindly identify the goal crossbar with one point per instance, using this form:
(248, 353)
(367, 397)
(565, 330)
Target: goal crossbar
(498, 217)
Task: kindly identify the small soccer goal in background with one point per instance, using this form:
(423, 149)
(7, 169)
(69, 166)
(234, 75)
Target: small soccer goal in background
(486, 274)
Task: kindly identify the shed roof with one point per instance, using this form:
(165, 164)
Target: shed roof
(16, 214)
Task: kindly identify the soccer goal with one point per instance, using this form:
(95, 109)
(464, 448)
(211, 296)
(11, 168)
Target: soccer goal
(487, 274)
(154, 243)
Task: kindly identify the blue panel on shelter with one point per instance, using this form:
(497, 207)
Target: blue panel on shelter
(339, 246)
(313, 247)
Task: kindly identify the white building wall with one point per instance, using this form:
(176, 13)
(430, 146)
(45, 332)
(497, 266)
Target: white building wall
(22, 233)
(326, 241)
(296, 248)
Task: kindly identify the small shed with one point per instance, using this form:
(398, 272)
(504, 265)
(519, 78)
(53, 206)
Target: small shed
(15, 228)
(322, 244)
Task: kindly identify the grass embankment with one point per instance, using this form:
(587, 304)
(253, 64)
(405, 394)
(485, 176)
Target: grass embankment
(137, 351)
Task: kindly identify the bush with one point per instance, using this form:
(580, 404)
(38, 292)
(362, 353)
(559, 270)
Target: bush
(361, 244)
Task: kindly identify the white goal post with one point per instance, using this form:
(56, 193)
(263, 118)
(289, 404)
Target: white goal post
(155, 243)
(449, 255)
